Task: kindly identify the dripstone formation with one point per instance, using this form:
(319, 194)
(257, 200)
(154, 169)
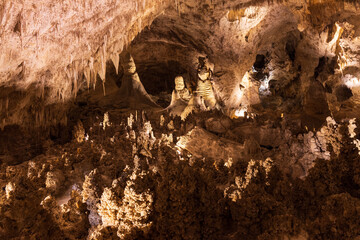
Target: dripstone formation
(180, 119)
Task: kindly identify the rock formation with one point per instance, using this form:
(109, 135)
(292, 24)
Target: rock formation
(179, 98)
(179, 119)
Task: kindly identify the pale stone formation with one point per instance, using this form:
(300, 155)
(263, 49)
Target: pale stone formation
(235, 191)
(146, 139)
(108, 207)
(9, 189)
(166, 139)
(198, 142)
(351, 127)
(170, 125)
(127, 210)
(218, 125)
(189, 108)
(132, 92)
(204, 97)
(90, 196)
(79, 132)
(106, 121)
(180, 92)
(162, 120)
(204, 89)
(179, 98)
(135, 209)
(54, 180)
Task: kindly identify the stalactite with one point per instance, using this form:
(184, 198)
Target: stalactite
(91, 64)
(103, 84)
(115, 58)
(125, 43)
(87, 76)
(119, 47)
(103, 57)
(97, 69)
(68, 76)
(37, 44)
(94, 79)
(102, 70)
(93, 73)
(75, 78)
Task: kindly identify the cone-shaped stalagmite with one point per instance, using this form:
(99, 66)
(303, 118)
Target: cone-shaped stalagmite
(132, 89)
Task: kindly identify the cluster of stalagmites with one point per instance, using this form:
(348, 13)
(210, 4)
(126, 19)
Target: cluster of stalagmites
(203, 98)
(186, 175)
(145, 179)
(127, 210)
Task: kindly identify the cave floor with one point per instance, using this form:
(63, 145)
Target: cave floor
(129, 174)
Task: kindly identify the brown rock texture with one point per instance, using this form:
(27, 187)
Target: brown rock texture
(173, 119)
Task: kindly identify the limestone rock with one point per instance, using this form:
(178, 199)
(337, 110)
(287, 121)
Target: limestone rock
(54, 180)
(198, 140)
(218, 125)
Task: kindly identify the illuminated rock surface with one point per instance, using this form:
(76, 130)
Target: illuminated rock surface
(172, 119)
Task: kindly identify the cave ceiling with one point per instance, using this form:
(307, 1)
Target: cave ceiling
(54, 49)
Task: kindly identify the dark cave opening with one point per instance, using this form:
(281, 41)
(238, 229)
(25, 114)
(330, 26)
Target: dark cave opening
(260, 62)
(343, 93)
(17, 145)
(259, 71)
(159, 77)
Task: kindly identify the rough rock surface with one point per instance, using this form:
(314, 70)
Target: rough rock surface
(201, 143)
(110, 190)
(268, 149)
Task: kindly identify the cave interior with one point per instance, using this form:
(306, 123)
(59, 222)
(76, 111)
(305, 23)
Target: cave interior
(173, 119)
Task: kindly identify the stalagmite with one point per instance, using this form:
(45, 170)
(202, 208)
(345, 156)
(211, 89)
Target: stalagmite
(204, 86)
(204, 97)
(179, 98)
(132, 90)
